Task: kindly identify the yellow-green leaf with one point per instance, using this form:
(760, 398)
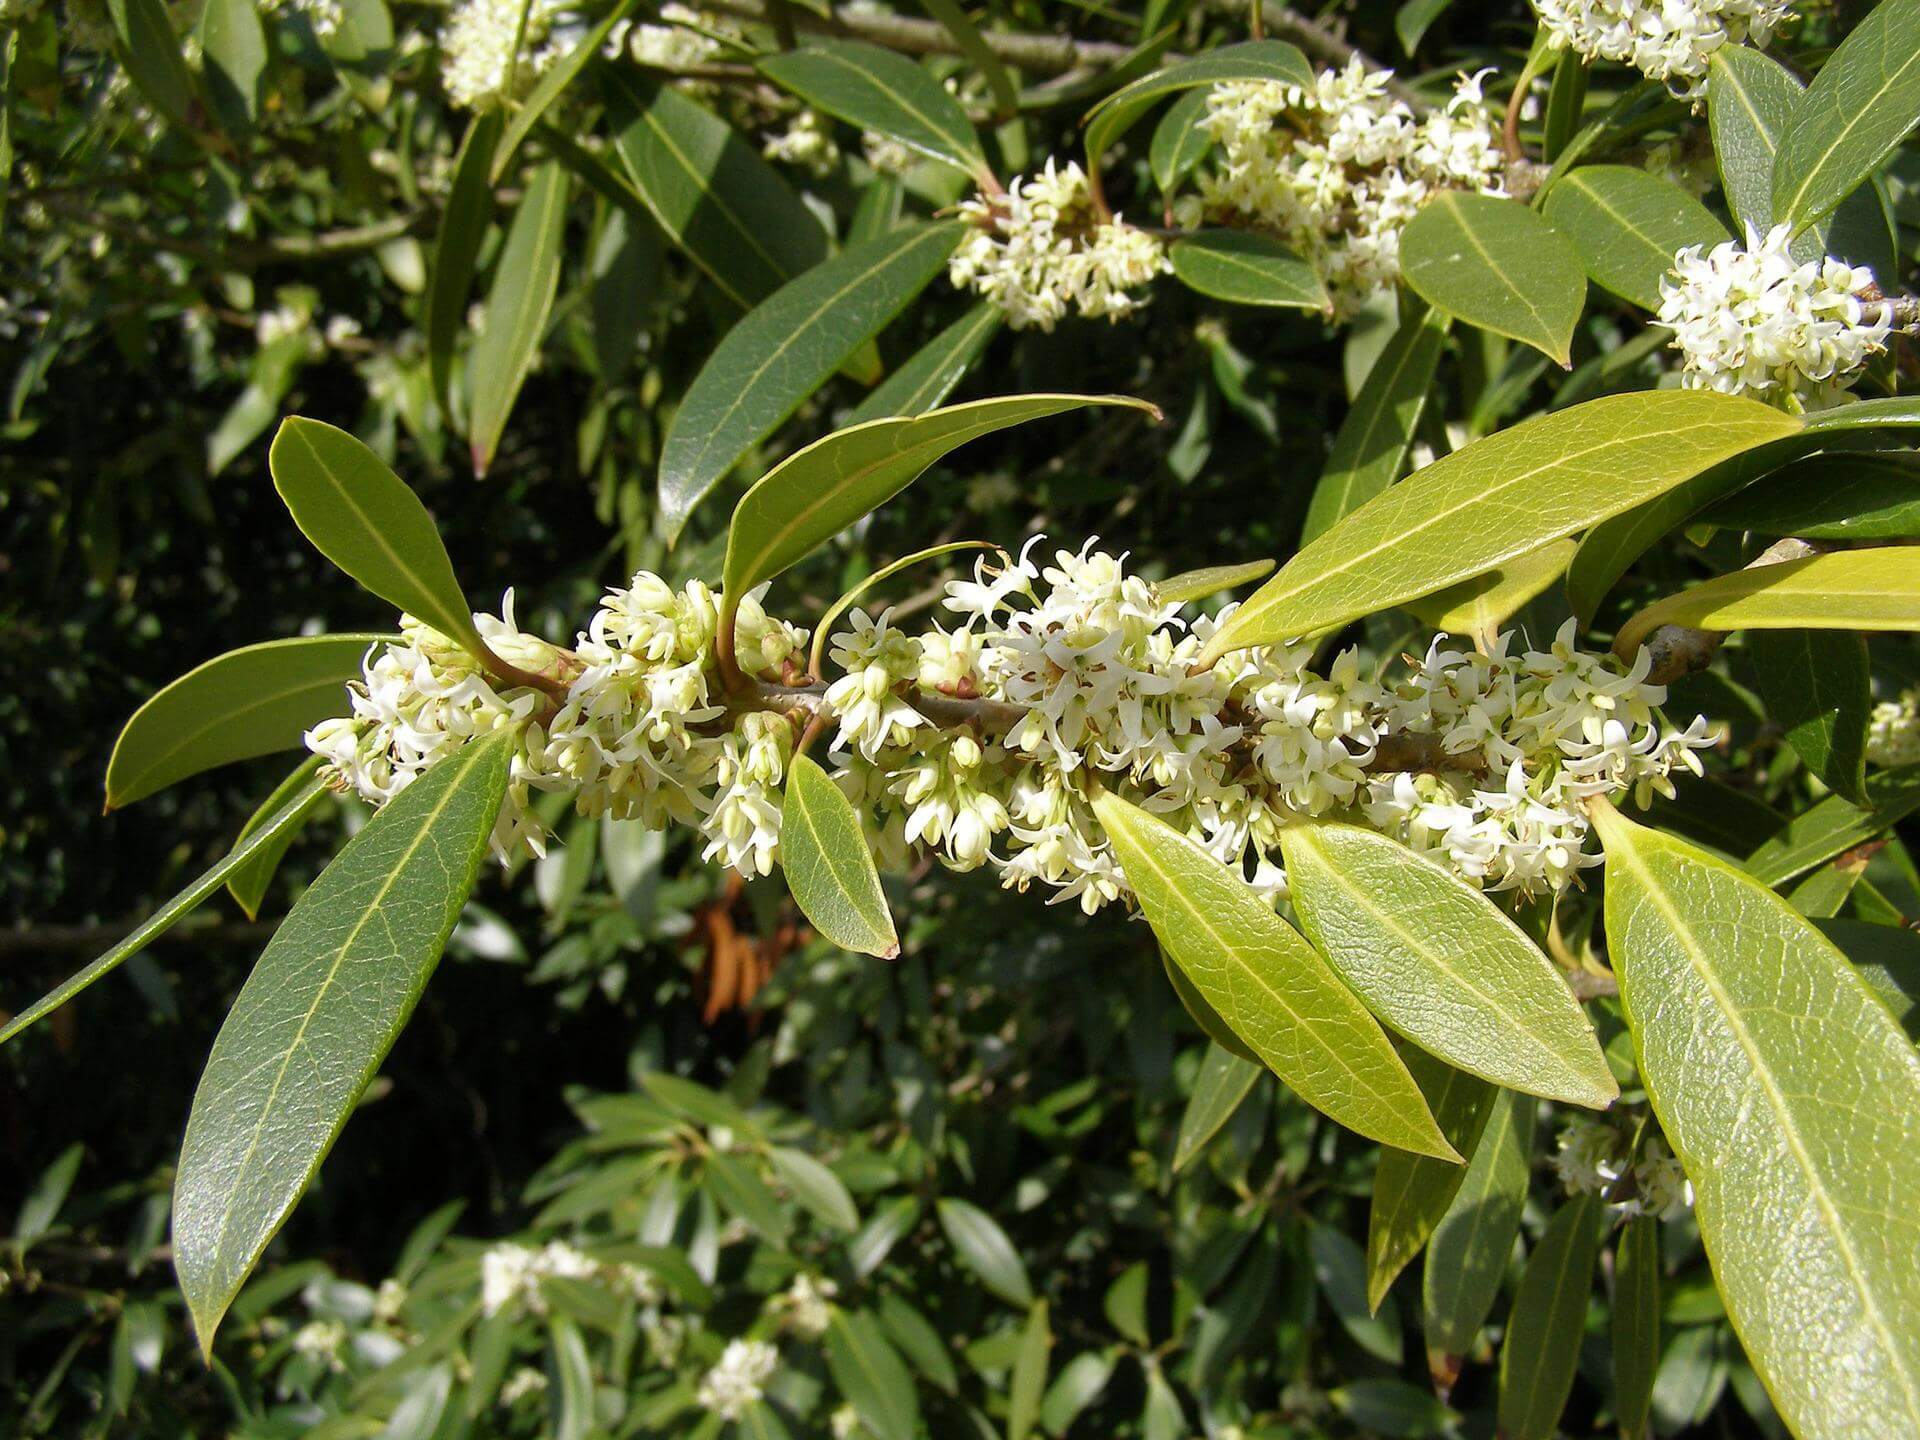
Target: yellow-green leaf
(828, 867)
(1480, 606)
(1497, 264)
(1191, 585)
(248, 882)
(1223, 1084)
(1029, 1374)
(1268, 984)
(1442, 964)
(524, 283)
(1793, 1101)
(1627, 225)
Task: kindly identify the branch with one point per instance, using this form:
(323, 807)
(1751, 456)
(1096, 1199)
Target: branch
(1283, 22)
(1680, 650)
(1043, 54)
(44, 938)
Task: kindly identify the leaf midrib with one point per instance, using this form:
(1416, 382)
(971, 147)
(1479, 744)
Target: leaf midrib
(962, 153)
(1860, 111)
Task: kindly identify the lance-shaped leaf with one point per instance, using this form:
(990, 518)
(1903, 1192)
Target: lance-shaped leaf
(1847, 590)
(1371, 447)
(1626, 225)
(828, 867)
(985, 1248)
(521, 297)
(1499, 265)
(463, 226)
(1411, 1193)
(1549, 1315)
(876, 89)
(1191, 585)
(365, 519)
(247, 702)
(1498, 499)
(784, 350)
(318, 1015)
(936, 367)
(1029, 1374)
(1442, 964)
(1471, 1245)
(1636, 1322)
(146, 45)
(1819, 688)
(268, 833)
(1247, 268)
(712, 194)
(815, 1186)
(248, 882)
(816, 493)
(1180, 141)
(1480, 606)
(554, 81)
(1250, 60)
(871, 1376)
(823, 629)
(1831, 497)
(233, 48)
(1793, 1101)
(1223, 1084)
(1268, 984)
(1835, 825)
(1862, 103)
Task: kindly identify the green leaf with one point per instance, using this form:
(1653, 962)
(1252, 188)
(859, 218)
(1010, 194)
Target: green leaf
(524, 283)
(966, 35)
(1549, 1315)
(233, 46)
(823, 628)
(319, 1013)
(552, 85)
(1180, 141)
(710, 191)
(870, 1374)
(1078, 1385)
(1125, 1304)
(985, 1249)
(1819, 688)
(829, 869)
(1442, 964)
(1340, 1270)
(1268, 984)
(1496, 500)
(1636, 1323)
(1191, 585)
(1847, 590)
(1793, 1101)
(1468, 1252)
(1029, 1374)
(1862, 103)
(1834, 825)
(816, 493)
(1830, 497)
(248, 882)
(1244, 267)
(572, 1406)
(743, 1194)
(939, 365)
(1411, 1193)
(876, 89)
(46, 1199)
(1499, 265)
(363, 518)
(263, 837)
(149, 50)
(1249, 60)
(784, 350)
(1223, 1084)
(1891, 412)
(868, 1250)
(456, 245)
(252, 701)
(815, 1186)
(1888, 959)
(1480, 606)
(1371, 447)
(1203, 1014)
(1627, 225)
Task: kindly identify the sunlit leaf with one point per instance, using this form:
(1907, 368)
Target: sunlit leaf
(524, 283)
(869, 1373)
(1247, 268)
(1819, 689)
(1224, 1082)
(930, 376)
(1250, 60)
(1496, 264)
(876, 89)
(1191, 585)
(985, 1249)
(1627, 224)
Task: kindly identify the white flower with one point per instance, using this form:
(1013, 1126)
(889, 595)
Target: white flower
(1589, 1158)
(1752, 320)
(739, 1379)
(522, 1383)
(510, 1274)
(844, 1423)
(1893, 730)
(1666, 40)
(479, 60)
(686, 38)
(877, 658)
(806, 1307)
(806, 143)
(325, 16)
(1661, 1187)
(887, 155)
(321, 1340)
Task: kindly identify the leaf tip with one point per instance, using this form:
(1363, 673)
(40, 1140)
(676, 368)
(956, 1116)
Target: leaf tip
(890, 951)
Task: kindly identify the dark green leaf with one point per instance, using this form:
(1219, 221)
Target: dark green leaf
(869, 1373)
(145, 43)
(876, 89)
(553, 83)
(1888, 959)
(1627, 225)
(1496, 264)
(939, 365)
(1249, 60)
(1247, 268)
(1636, 1322)
(829, 869)
(815, 1186)
(1340, 1270)
(456, 246)
(1180, 141)
(1831, 497)
(1549, 1315)
(1819, 689)
(248, 882)
(1224, 1082)
(1834, 825)
(524, 284)
(985, 1249)
(744, 1195)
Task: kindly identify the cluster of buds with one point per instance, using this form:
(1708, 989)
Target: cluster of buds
(492, 52)
(738, 1379)
(1671, 41)
(983, 741)
(1595, 1158)
(1338, 169)
(1893, 730)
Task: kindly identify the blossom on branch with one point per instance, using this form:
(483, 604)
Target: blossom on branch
(1671, 41)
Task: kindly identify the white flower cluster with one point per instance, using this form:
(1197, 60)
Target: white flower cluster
(479, 60)
(738, 1379)
(510, 1276)
(1752, 320)
(805, 1305)
(1592, 1158)
(1336, 171)
(1666, 40)
(806, 143)
(1893, 730)
(683, 39)
(1041, 250)
(325, 16)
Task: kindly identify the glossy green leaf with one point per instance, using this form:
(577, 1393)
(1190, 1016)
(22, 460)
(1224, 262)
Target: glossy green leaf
(1496, 500)
(868, 1250)
(1889, 412)
(572, 1406)
(1203, 1014)
(1481, 606)
(1636, 1323)
(925, 1348)
(824, 855)
(1834, 825)
(1846, 590)
(815, 1187)
(1191, 585)
(1819, 688)
(365, 519)
(1224, 1082)
(1830, 497)
(1442, 964)
(1411, 1193)
(973, 45)
(1245, 267)
(1079, 1383)
(1370, 449)
(816, 493)
(252, 701)
(524, 283)
(1499, 265)
(1626, 226)
(1249, 60)
(784, 350)
(1863, 102)
(930, 376)
(1888, 959)
(456, 246)
(1468, 1252)
(146, 45)
(249, 881)
(553, 83)
(1793, 1101)
(736, 1184)
(985, 1249)
(877, 89)
(233, 49)
(1125, 1304)
(318, 1015)
(1180, 141)
(1029, 1374)
(870, 1374)
(266, 834)
(1549, 1315)
(710, 191)
(1268, 984)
